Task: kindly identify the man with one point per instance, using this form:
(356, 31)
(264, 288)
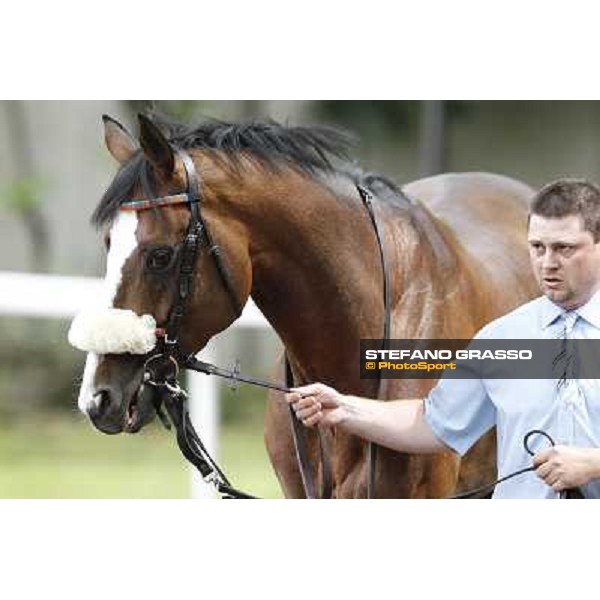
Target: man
(564, 247)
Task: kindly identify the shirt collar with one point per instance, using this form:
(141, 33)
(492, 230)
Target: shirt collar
(549, 312)
(590, 311)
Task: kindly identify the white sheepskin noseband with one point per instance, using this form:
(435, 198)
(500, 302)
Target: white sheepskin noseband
(113, 331)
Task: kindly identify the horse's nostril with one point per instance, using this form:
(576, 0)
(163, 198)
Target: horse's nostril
(104, 410)
(100, 405)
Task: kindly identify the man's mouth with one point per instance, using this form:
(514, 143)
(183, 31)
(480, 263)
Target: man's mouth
(552, 282)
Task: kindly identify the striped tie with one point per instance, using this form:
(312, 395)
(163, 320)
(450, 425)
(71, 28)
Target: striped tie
(571, 399)
(565, 361)
(569, 318)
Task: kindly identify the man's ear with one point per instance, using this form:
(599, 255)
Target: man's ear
(120, 143)
(156, 147)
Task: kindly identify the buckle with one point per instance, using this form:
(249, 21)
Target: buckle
(150, 375)
(171, 342)
(175, 389)
(212, 478)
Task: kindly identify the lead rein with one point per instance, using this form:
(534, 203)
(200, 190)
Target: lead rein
(192, 447)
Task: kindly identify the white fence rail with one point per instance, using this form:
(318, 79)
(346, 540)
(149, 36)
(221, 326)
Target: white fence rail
(56, 296)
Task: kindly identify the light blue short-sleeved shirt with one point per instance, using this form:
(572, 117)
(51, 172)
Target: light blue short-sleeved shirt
(461, 411)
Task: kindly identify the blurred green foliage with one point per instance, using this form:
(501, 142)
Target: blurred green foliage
(390, 118)
(393, 117)
(23, 195)
(182, 109)
(38, 370)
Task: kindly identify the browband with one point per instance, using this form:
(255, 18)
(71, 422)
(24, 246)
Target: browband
(137, 205)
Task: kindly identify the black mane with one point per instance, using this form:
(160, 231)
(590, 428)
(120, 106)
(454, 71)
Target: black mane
(310, 150)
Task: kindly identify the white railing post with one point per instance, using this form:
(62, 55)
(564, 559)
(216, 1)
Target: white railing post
(204, 413)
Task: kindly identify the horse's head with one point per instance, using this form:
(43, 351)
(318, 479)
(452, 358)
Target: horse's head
(147, 274)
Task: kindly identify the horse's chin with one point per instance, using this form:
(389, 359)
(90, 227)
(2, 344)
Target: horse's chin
(140, 409)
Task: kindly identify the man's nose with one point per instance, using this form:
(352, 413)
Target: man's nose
(550, 260)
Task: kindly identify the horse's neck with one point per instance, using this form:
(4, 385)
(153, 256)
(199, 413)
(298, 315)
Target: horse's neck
(317, 277)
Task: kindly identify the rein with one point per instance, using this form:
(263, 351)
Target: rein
(484, 490)
(192, 448)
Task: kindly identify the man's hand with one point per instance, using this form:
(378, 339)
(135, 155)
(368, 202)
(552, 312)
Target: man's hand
(396, 424)
(317, 404)
(563, 467)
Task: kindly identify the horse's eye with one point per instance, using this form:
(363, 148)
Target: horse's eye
(159, 259)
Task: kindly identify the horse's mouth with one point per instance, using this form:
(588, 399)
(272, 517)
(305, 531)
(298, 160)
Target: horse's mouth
(140, 410)
(132, 414)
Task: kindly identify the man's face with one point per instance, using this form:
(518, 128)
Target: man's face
(565, 259)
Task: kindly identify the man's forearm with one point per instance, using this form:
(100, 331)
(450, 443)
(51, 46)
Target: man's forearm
(398, 424)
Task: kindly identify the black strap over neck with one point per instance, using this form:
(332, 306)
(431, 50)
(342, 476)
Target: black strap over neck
(309, 479)
(367, 199)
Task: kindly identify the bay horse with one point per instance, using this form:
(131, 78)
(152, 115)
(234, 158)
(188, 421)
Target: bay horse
(282, 204)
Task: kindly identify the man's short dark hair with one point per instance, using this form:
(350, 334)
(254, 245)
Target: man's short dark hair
(565, 197)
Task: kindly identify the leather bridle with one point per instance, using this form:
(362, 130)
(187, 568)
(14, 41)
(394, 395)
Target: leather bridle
(163, 364)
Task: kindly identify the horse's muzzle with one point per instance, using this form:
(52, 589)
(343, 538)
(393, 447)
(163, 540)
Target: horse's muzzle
(111, 413)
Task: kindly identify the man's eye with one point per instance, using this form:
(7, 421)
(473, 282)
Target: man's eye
(160, 260)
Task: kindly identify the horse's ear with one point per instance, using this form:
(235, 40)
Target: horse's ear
(120, 143)
(156, 147)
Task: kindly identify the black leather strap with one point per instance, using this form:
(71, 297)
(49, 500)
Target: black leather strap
(189, 253)
(486, 491)
(187, 268)
(214, 250)
(193, 449)
(196, 234)
(367, 199)
(300, 445)
(146, 183)
(193, 187)
(298, 431)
